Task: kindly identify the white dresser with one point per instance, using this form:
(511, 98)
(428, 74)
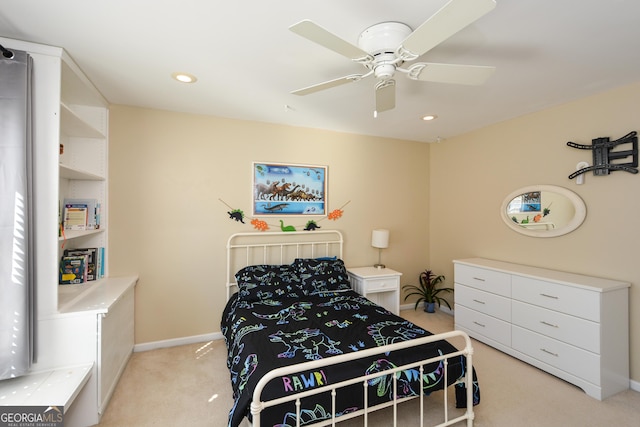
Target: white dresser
(573, 326)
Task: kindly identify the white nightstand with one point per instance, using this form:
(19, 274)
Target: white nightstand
(380, 285)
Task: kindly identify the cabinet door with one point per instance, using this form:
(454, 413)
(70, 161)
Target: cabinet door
(116, 344)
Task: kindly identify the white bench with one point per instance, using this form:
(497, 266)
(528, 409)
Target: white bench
(58, 387)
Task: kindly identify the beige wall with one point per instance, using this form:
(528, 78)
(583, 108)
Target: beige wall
(168, 172)
(473, 173)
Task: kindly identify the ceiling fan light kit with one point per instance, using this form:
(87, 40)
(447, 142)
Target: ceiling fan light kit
(383, 48)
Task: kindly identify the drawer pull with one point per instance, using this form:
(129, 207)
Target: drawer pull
(550, 296)
(549, 352)
(549, 324)
(478, 301)
(479, 324)
(478, 278)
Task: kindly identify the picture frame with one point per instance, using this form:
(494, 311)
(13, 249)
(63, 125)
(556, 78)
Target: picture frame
(289, 189)
(526, 202)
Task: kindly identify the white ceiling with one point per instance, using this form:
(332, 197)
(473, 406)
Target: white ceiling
(547, 52)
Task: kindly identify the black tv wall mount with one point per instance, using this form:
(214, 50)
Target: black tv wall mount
(607, 155)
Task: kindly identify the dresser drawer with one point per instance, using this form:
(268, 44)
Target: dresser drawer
(572, 330)
(483, 324)
(578, 362)
(486, 280)
(553, 296)
(381, 285)
(484, 302)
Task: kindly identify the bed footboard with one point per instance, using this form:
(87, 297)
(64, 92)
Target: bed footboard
(258, 405)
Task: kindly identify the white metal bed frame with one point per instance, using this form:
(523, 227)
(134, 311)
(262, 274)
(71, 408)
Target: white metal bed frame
(245, 249)
(280, 247)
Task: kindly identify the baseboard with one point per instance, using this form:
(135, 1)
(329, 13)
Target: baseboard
(177, 341)
(442, 308)
(634, 385)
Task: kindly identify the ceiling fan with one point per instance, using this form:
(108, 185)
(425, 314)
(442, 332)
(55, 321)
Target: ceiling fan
(383, 49)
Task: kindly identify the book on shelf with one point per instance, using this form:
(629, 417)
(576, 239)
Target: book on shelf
(72, 270)
(75, 216)
(100, 263)
(92, 219)
(81, 265)
(90, 259)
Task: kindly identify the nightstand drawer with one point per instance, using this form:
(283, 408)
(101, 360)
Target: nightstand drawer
(382, 285)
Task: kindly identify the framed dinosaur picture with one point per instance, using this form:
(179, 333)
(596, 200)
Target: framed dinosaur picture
(289, 189)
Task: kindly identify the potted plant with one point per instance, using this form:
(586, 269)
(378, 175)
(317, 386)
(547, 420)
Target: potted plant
(428, 292)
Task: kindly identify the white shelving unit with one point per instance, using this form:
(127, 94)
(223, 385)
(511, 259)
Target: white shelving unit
(88, 325)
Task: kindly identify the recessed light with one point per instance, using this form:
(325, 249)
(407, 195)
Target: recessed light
(184, 77)
(429, 117)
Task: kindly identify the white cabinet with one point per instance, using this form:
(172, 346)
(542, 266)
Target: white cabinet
(96, 329)
(88, 324)
(380, 285)
(573, 326)
(115, 344)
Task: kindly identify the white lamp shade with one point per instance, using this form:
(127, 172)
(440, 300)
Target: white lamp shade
(380, 238)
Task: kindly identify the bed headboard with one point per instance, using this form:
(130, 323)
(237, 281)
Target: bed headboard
(245, 249)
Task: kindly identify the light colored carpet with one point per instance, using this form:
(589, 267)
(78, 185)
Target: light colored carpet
(189, 386)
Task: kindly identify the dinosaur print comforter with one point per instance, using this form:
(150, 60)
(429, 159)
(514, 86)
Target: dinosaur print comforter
(266, 333)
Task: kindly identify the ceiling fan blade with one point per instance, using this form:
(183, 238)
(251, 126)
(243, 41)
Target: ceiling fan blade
(328, 84)
(317, 34)
(447, 21)
(473, 75)
(385, 95)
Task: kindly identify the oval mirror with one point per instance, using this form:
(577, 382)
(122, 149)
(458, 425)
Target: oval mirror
(543, 211)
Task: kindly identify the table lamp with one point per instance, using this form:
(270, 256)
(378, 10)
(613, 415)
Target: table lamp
(380, 240)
